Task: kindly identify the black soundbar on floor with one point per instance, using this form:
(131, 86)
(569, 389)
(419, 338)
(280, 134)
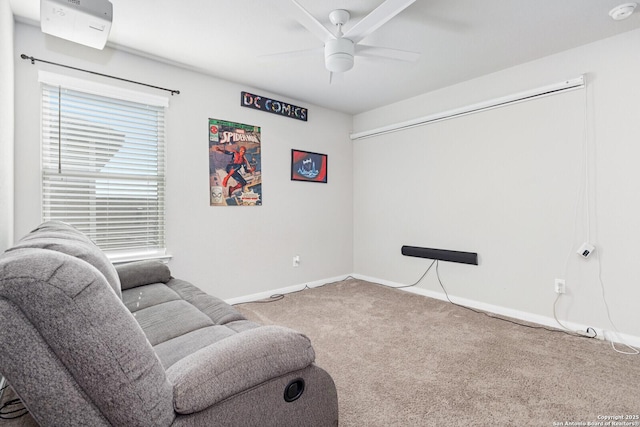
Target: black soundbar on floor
(441, 254)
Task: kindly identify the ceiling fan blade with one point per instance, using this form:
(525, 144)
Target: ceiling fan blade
(309, 22)
(384, 52)
(376, 19)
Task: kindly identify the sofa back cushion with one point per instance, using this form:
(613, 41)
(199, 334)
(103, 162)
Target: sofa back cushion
(140, 273)
(71, 308)
(62, 237)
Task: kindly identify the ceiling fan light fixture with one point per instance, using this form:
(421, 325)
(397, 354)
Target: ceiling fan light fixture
(338, 55)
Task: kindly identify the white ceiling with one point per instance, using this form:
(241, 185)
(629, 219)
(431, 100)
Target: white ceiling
(458, 39)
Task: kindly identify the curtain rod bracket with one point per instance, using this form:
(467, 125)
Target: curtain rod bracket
(33, 60)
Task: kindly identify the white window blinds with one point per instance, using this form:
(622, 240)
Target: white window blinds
(103, 168)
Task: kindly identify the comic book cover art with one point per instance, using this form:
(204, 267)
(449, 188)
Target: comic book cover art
(235, 177)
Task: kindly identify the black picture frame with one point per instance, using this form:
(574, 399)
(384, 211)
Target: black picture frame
(308, 166)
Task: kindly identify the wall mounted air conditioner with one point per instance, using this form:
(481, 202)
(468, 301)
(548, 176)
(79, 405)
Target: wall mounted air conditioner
(87, 22)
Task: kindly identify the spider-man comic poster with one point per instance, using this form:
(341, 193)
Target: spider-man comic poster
(235, 177)
(307, 166)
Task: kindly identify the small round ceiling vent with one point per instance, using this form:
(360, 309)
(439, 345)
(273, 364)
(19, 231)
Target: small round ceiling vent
(623, 11)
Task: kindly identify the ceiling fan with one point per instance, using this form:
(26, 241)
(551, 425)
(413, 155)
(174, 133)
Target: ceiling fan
(341, 48)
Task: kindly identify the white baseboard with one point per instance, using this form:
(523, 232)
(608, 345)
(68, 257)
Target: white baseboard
(287, 290)
(608, 335)
(611, 336)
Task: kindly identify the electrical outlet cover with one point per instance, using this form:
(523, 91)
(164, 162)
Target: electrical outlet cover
(585, 250)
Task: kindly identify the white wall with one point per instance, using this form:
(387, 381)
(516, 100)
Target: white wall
(228, 251)
(505, 184)
(6, 125)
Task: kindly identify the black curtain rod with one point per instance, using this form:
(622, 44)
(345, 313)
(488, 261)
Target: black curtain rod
(23, 56)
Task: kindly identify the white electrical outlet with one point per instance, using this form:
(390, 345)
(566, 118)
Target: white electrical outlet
(585, 250)
(560, 286)
(296, 260)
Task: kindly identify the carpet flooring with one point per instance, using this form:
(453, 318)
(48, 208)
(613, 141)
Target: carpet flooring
(401, 359)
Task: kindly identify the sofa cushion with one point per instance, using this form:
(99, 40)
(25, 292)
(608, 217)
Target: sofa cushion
(46, 387)
(169, 320)
(218, 311)
(61, 237)
(136, 299)
(241, 325)
(179, 347)
(236, 364)
(139, 273)
(90, 331)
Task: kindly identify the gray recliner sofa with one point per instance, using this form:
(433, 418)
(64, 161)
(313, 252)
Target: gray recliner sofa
(85, 343)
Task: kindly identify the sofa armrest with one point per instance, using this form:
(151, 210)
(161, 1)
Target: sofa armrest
(140, 273)
(235, 364)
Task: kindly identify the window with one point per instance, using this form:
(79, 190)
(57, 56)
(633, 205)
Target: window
(103, 165)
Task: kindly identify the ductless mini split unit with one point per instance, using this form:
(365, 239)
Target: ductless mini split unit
(87, 22)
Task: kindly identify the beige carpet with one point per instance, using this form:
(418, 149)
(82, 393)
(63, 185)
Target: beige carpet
(400, 359)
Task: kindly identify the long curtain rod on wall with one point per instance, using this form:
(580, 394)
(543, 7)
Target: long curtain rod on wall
(566, 85)
(32, 59)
